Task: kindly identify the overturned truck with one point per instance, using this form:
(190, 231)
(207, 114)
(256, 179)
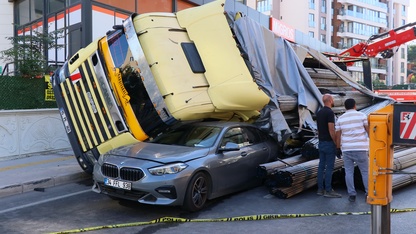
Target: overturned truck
(205, 62)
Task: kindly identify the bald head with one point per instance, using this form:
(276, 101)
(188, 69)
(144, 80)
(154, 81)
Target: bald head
(327, 100)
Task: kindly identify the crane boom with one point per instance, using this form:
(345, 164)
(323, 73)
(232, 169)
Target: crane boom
(374, 45)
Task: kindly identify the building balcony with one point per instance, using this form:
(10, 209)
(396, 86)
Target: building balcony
(370, 4)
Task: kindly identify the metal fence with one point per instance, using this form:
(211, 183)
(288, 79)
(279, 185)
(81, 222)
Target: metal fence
(18, 93)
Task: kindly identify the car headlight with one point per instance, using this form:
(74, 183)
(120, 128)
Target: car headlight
(168, 169)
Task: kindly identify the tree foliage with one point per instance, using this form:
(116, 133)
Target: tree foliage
(27, 52)
(411, 54)
(378, 84)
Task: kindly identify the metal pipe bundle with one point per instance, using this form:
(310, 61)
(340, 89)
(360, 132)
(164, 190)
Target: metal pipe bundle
(403, 180)
(310, 148)
(292, 180)
(284, 193)
(290, 103)
(268, 168)
(289, 181)
(404, 159)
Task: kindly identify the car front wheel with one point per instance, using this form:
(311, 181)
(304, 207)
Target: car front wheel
(197, 192)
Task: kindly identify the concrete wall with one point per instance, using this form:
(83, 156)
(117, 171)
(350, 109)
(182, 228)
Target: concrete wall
(24, 132)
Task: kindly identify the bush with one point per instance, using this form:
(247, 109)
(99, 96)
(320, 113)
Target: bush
(23, 93)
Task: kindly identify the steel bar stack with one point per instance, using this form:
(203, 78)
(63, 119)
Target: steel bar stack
(310, 148)
(263, 170)
(404, 179)
(293, 180)
(404, 158)
(285, 181)
(405, 161)
(290, 103)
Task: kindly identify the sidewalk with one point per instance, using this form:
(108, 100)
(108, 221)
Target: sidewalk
(40, 171)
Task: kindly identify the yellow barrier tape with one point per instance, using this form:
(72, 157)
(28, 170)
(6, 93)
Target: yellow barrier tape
(230, 219)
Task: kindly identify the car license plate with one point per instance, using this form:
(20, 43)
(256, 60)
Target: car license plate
(117, 184)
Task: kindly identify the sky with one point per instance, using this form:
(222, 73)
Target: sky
(412, 16)
(412, 11)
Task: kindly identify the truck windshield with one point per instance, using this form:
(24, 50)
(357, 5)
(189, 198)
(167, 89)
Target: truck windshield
(142, 104)
(118, 47)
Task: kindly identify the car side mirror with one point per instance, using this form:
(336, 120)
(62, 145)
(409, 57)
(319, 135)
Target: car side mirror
(230, 146)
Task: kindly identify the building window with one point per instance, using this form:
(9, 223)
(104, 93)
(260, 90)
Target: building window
(401, 79)
(402, 67)
(312, 4)
(403, 22)
(323, 6)
(311, 20)
(28, 11)
(55, 5)
(403, 55)
(264, 5)
(323, 38)
(311, 34)
(323, 23)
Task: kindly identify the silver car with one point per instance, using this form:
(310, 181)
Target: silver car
(186, 166)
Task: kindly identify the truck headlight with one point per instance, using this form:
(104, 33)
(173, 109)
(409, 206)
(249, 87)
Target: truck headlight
(168, 169)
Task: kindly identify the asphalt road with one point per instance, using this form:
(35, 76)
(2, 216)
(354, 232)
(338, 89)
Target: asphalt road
(74, 206)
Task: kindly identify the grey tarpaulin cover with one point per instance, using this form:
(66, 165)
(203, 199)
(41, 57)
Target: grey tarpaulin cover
(278, 71)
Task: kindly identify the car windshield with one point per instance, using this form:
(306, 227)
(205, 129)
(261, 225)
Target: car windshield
(188, 135)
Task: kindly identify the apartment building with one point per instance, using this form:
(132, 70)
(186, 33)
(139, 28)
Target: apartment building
(86, 20)
(325, 25)
(344, 23)
(6, 27)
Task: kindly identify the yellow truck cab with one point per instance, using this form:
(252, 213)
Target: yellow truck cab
(152, 71)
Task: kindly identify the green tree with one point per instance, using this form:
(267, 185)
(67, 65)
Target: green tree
(27, 52)
(377, 84)
(411, 54)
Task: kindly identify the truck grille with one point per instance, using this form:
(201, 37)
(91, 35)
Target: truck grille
(126, 173)
(91, 106)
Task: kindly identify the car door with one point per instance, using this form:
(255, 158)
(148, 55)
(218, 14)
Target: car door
(257, 152)
(239, 167)
(227, 166)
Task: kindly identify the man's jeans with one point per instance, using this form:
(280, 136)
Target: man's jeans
(361, 159)
(327, 151)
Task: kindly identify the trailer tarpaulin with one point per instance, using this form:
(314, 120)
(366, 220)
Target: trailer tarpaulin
(278, 71)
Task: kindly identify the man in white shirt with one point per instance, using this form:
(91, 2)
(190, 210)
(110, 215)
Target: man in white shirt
(351, 131)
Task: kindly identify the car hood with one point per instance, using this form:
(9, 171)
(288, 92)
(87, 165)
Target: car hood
(159, 152)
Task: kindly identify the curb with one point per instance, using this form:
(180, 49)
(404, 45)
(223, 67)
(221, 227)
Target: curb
(42, 183)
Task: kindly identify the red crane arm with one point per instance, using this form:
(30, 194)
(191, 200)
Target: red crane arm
(391, 39)
(394, 39)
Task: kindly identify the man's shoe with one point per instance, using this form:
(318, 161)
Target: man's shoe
(351, 198)
(320, 192)
(332, 194)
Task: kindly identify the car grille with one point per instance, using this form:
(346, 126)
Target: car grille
(126, 173)
(109, 170)
(132, 174)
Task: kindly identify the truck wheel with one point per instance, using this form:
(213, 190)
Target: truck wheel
(197, 192)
